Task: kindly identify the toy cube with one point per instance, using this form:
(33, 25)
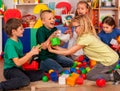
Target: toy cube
(54, 76)
(55, 41)
(71, 81)
(118, 39)
(32, 66)
(79, 80)
(62, 78)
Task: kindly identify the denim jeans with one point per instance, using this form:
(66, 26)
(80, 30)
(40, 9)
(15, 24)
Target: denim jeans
(56, 63)
(16, 78)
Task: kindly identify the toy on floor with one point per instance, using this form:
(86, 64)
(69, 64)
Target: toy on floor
(45, 79)
(100, 82)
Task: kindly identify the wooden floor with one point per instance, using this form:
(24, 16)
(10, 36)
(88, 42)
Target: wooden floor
(52, 86)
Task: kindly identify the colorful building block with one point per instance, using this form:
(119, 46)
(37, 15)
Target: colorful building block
(79, 80)
(62, 79)
(54, 76)
(32, 66)
(100, 82)
(55, 41)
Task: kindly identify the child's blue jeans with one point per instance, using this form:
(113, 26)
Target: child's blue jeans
(56, 64)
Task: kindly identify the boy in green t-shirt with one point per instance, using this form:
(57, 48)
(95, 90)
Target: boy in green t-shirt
(44, 33)
(14, 59)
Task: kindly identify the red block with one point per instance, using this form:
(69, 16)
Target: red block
(100, 82)
(79, 80)
(80, 58)
(32, 66)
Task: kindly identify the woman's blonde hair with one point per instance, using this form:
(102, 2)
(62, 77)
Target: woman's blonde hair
(85, 24)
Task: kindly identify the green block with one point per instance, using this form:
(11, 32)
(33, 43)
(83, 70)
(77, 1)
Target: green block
(55, 41)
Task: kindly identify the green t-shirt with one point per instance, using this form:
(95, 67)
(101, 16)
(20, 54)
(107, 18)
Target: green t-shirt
(12, 50)
(96, 50)
(41, 36)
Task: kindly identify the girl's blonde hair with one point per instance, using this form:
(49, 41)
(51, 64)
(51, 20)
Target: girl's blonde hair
(87, 6)
(85, 24)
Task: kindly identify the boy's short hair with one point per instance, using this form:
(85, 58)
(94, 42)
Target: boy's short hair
(44, 12)
(12, 23)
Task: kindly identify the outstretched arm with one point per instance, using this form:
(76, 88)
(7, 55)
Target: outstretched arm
(64, 51)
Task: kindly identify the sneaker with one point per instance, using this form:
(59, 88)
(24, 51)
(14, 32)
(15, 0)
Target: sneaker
(116, 75)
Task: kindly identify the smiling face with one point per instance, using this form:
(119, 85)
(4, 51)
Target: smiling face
(49, 20)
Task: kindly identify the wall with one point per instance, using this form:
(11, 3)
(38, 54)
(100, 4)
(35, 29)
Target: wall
(10, 3)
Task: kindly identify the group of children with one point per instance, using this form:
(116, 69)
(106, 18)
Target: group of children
(54, 57)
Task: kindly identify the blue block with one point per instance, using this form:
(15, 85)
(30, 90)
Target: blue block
(54, 76)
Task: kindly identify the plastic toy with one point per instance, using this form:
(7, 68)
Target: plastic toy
(87, 69)
(100, 82)
(83, 71)
(55, 41)
(80, 58)
(65, 5)
(63, 37)
(54, 76)
(74, 65)
(44, 78)
(48, 75)
(78, 71)
(50, 71)
(62, 79)
(37, 9)
(92, 63)
(83, 76)
(118, 39)
(79, 64)
(71, 80)
(32, 66)
(72, 70)
(66, 72)
(12, 13)
(79, 80)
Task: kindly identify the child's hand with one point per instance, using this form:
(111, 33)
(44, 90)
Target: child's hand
(69, 31)
(55, 33)
(50, 48)
(35, 50)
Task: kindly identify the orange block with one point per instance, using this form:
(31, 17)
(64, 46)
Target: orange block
(71, 81)
(92, 63)
(118, 39)
(75, 75)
